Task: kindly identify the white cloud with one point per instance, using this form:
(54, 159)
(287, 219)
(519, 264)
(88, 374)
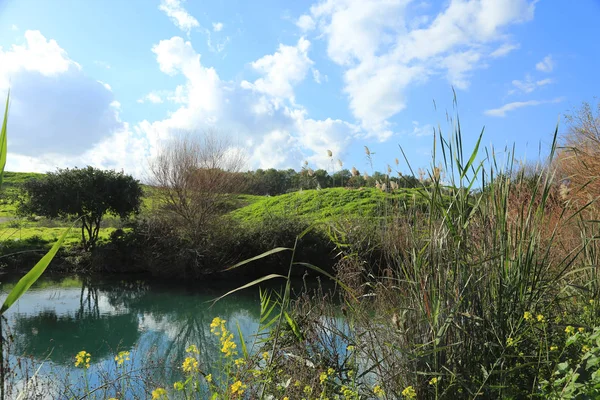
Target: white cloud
(152, 97)
(55, 107)
(501, 112)
(528, 85)
(106, 85)
(281, 71)
(180, 17)
(546, 65)
(305, 23)
(14, 27)
(217, 26)
(276, 132)
(318, 77)
(384, 51)
(504, 50)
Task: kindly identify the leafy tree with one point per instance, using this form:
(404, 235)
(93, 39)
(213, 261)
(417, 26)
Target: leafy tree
(87, 193)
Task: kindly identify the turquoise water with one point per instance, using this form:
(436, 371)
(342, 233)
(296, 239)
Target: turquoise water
(154, 321)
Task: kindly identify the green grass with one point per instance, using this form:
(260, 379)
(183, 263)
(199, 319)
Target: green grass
(326, 204)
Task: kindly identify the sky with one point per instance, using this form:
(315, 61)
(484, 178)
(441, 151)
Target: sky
(107, 83)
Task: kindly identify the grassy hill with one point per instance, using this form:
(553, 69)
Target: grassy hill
(327, 204)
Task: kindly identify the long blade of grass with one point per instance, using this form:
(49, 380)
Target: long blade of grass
(258, 257)
(3, 140)
(29, 279)
(473, 155)
(319, 270)
(242, 341)
(247, 285)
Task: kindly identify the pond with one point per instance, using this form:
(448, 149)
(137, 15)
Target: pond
(154, 321)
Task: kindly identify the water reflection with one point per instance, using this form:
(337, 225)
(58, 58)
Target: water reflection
(153, 320)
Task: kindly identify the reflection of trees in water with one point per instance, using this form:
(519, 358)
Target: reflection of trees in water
(157, 320)
(65, 335)
(184, 316)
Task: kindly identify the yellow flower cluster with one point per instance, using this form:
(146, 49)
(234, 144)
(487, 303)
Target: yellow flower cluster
(208, 378)
(510, 342)
(409, 392)
(82, 359)
(159, 394)
(192, 349)
(378, 391)
(237, 388)
(325, 375)
(190, 365)
(122, 357)
(569, 330)
(434, 380)
(228, 346)
(527, 316)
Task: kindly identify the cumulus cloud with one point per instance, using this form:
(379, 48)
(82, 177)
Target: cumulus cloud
(305, 23)
(261, 115)
(180, 17)
(281, 71)
(546, 65)
(502, 111)
(384, 51)
(217, 26)
(55, 107)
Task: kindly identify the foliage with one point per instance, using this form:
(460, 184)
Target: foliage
(87, 194)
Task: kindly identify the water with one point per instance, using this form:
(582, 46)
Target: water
(154, 321)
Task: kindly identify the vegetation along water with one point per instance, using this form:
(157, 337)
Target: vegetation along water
(476, 278)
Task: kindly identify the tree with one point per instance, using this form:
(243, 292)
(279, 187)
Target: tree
(88, 194)
(195, 176)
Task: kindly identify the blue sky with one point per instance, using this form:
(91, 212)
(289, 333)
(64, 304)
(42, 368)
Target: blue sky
(106, 83)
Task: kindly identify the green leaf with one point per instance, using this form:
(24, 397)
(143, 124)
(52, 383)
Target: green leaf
(473, 155)
(247, 285)
(294, 326)
(3, 140)
(33, 275)
(263, 255)
(242, 341)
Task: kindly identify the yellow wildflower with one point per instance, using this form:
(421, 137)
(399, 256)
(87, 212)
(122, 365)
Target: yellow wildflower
(286, 398)
(569, 330)
(240, 361)
(82, 359)
(179, 386)
(297, 383)
(540, 318)
(208, 378)
(190, 365)
(378, 391)
(323, 377)
(228, 346)
(553, 348)
(434, 380)
(122, 357)
(330, 371)
(585, 349)
(238, 388)
(192, 349)
(307, 389)
(265, 355)
(510, 342)
(159, 394)
(527, 315)
(409, 392)
(581, 330)
(350, 348)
